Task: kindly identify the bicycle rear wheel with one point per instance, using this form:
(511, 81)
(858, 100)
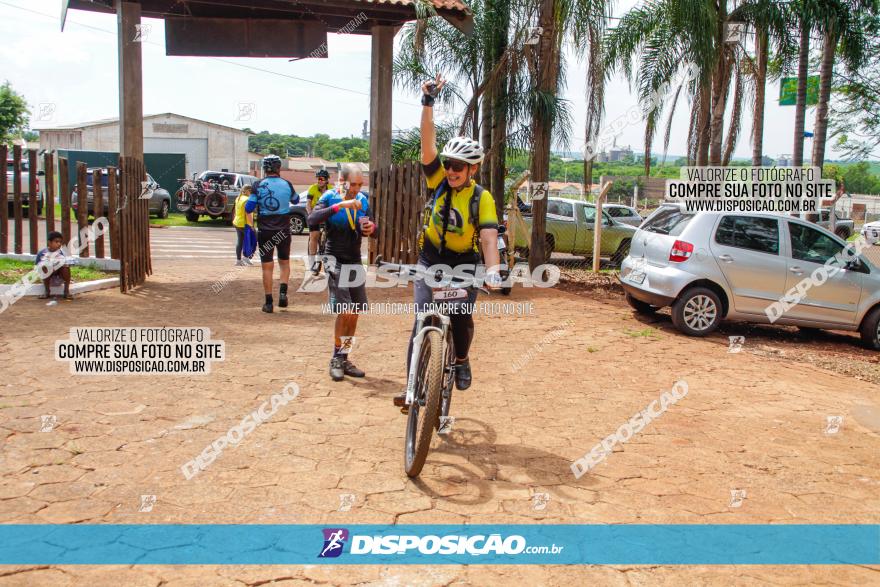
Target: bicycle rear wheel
(423, 413)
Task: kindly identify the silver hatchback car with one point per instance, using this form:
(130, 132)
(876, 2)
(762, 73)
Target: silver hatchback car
(710, 266)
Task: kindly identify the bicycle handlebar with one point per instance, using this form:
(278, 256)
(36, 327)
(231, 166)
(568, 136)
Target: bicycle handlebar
(438, 275)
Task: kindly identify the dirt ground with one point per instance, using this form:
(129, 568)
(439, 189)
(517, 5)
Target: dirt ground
(753, 420)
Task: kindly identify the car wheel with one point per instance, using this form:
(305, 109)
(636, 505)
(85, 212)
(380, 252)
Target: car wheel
(639, 306)
(697, 311)
(192, 216)
(297, 224)
(870, 329)
(163, 210)
(621, 253)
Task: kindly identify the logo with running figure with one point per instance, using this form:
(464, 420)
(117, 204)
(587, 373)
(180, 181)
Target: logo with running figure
(334, 541)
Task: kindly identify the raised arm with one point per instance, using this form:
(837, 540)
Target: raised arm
(429, 134)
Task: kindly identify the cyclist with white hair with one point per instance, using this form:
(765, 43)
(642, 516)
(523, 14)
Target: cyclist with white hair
(461, 218)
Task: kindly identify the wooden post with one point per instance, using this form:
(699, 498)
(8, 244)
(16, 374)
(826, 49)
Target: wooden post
(64, 186)
(131, 98)
(112, 215)
(376, 206)
(33, 215)
(16, 196)
(4, 195)
(597, 226)
(98, 205)
(49, 198)
(82, 206)
(380, 96)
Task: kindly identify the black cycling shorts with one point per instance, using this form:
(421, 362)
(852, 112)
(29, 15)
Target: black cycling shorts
(269, 240)
(316, 227)
(347, 299)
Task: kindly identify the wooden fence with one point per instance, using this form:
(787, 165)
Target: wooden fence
(398, 196)
(128, 214)
(134, 225)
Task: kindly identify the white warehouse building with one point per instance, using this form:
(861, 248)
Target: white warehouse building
(206, 145)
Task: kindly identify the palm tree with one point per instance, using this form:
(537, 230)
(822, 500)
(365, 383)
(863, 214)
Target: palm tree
(770, 22)
(804, 20)
(667, 38)
(844, 24)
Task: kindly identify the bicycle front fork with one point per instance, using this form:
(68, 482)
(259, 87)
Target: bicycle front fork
(422, 330)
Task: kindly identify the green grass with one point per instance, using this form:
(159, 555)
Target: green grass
(177, 219)
(646, 333)
(11, 271)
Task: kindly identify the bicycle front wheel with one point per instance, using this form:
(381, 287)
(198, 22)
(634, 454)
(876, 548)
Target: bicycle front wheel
(423, 412)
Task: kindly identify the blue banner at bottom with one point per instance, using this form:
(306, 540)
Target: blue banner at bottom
(500, 544)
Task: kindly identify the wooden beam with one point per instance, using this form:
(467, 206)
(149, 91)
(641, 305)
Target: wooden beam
(597, 226)
(380, 96)
(131, 91)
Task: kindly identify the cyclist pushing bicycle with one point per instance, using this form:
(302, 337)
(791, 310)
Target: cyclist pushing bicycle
(460, 218)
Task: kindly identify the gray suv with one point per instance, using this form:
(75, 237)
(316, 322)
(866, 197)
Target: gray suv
(710, 266)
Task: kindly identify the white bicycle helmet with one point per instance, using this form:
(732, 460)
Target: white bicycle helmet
(463, 149)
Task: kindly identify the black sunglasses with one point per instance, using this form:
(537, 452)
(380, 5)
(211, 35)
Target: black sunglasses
(457, 166)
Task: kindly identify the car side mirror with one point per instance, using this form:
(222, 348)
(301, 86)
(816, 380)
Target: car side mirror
(856, 265)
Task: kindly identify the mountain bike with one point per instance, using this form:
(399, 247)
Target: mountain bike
(431, 374)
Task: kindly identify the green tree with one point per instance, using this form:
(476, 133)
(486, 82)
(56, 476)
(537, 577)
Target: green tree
(843, 24)
(14, 113)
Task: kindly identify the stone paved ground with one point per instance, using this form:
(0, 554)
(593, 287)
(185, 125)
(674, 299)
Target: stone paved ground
(748, 422)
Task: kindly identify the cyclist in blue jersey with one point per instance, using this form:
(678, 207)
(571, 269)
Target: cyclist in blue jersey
(272, 197)
(347, 216)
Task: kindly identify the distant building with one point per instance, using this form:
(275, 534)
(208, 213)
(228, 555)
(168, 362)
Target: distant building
(365, 132)
(206, 145)
(300, 171)
(783, 161)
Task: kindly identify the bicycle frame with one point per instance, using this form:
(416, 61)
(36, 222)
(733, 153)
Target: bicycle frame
(421, 331)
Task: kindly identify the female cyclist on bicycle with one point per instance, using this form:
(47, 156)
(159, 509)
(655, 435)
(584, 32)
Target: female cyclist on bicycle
(452, 235)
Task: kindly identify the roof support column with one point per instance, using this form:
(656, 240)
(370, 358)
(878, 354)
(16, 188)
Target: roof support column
(380, 96)
(131, 92)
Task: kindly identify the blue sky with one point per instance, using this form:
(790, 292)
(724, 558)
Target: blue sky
(76, 73)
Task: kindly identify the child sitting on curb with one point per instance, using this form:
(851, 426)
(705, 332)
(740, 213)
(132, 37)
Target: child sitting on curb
(53, 256)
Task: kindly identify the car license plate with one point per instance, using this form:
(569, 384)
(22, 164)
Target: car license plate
(501, 245)
(449, 294)
(636, 276)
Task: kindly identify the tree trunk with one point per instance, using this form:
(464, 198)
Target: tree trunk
(720, 89)
(762, 52)
(820, 129)
(499, 147)
(548, 75)
(800, 112)
(720, 79)
(486, 132)
(595, 106)
(703, 132)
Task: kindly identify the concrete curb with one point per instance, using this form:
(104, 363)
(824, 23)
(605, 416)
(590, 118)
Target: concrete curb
(105, 264)
(36, 289)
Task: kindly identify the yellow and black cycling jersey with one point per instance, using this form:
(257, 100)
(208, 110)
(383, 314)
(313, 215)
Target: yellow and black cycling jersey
(314, 194)
(460, 232)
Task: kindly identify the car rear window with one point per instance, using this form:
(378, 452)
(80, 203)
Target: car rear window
(669, 221)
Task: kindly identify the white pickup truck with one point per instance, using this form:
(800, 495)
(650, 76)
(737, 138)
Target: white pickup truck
(25, 187)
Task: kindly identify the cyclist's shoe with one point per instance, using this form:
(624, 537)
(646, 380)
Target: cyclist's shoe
(316, 268)
(463, 375)
(400, 402)
(268, 308)
(248, 262)
(350, 370)
(282, 300)
(337, 369)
